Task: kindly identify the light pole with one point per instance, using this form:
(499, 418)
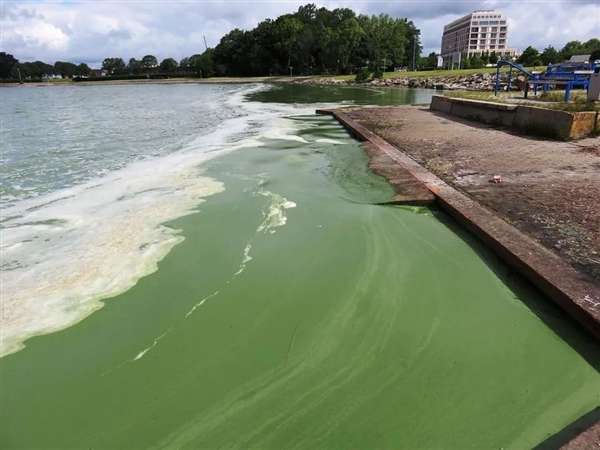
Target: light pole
(414, 52)
(19, 70)
(291, 70)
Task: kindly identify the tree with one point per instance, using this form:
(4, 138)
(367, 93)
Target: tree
(114, 66)
(149, 62)
(203, 64)
(465, 62)
(83, 70)
(7, 62)
(476, 62)
(343, 43)
(134, 66)
(432, 60)
(550, 56)
(412, 43)
(168, 65)
(572, 48)
(485, 57)
(529, 57)
(593, 48)
(287, 30)
(494, 58)
(65, 69)
(184, 64)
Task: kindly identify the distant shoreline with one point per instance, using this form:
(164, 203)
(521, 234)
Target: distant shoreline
(223, 80)
(467, 79)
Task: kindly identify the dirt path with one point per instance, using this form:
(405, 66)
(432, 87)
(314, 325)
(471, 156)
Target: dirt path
(550, 190)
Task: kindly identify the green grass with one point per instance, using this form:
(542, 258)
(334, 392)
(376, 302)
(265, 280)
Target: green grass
(436, 73)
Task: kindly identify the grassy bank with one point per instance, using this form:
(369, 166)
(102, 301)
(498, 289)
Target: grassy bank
(435, 73)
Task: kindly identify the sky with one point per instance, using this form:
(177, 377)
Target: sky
(89, 31)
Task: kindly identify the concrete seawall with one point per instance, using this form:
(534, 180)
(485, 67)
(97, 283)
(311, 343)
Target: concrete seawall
(555, 124)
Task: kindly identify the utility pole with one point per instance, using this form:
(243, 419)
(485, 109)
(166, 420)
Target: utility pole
(414, 55)
(205, 46)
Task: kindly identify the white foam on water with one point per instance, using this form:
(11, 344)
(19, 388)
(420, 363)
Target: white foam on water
(73, 252)
(201, 302)
(143, 352)
(329, 141)
(68, 250)
(274, 212)
(246, 259)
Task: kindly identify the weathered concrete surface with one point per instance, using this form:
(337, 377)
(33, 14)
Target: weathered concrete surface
(525, 118)
(408, 190)
(573, 291)
(587, 440)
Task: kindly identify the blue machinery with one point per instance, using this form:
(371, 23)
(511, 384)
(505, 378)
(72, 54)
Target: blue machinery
(565, 74)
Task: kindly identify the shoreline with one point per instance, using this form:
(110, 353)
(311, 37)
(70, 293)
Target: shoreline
(481, 81)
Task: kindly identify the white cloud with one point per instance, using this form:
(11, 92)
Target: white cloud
(89, 31)
(45, 36)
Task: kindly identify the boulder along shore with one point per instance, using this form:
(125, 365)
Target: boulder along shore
(475, 82)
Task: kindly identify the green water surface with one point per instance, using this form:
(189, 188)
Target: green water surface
(352, 326)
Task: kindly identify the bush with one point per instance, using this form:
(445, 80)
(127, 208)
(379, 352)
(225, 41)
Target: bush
(24, 80)
(362, 75)
(378, 73)
(114, 78)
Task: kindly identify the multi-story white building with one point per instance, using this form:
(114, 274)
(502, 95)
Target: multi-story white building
(477, 33)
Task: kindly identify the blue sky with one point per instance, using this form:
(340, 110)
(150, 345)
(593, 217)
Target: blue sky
(89, 31)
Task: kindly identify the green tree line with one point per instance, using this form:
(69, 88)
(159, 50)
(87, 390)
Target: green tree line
(10, 67)
(317, 41)
(530, 57)
(533, 57)
(312, 40)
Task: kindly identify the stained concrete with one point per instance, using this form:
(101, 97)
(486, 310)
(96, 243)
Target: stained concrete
(556, 124)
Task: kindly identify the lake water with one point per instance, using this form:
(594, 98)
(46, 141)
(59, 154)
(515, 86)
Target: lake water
(207, 266)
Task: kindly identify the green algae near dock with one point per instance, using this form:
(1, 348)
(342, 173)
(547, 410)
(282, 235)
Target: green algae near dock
(298, 313)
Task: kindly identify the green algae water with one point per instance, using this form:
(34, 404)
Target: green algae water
(255, 294)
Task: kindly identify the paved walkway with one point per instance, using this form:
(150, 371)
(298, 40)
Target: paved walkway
(550, 190)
